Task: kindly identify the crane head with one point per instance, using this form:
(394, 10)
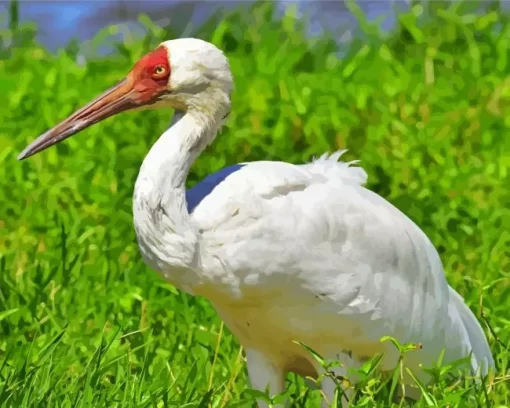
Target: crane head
(182, 74)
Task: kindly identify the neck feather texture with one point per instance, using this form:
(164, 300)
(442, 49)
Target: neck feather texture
(168, 240)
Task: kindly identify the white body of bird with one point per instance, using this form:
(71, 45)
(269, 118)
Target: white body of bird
(283, 252)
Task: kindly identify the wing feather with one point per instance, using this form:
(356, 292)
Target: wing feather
(313, 232)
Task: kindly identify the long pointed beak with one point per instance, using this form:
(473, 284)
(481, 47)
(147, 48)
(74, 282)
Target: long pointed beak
(119, 98)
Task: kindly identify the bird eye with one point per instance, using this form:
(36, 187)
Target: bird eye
(159, 71)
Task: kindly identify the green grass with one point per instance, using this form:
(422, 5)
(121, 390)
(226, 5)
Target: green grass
(83, 323)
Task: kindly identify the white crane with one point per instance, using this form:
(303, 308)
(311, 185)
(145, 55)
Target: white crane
(283, 252)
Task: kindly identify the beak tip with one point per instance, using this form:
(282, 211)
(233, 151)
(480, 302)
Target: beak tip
(23, 155)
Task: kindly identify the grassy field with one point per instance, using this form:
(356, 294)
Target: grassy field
(83, 323)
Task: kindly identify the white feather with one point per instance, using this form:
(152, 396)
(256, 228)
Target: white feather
(293, 252)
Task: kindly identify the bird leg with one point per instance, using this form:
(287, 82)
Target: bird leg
(347, 361)
(328, 388)
(264, 374)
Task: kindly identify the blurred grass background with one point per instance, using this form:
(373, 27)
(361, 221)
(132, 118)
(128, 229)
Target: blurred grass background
(425, 107)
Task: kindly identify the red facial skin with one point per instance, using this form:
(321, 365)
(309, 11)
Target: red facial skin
(145, 82)
(149, 77)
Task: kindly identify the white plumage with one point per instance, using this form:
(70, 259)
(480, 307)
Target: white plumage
(290, 252)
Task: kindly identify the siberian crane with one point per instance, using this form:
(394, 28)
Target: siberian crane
(285, 253)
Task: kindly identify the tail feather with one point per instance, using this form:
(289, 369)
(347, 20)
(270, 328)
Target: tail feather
(482, 359)
(329, 166)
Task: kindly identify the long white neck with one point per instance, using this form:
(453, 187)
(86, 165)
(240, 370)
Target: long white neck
(167, 238)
